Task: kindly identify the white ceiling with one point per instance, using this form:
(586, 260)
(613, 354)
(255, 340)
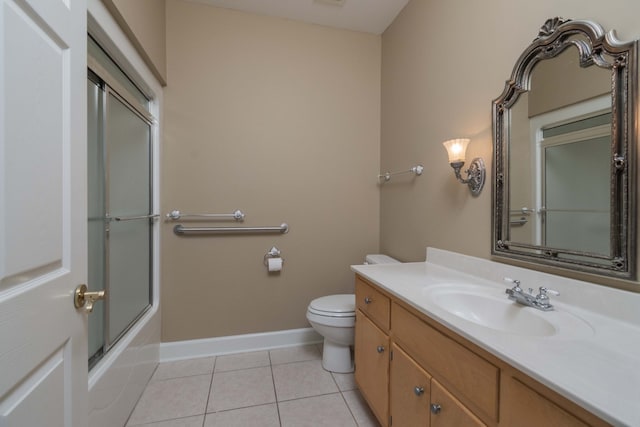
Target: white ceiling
(371, 16)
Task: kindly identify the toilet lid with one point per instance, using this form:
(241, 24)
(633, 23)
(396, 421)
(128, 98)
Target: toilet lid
(344, 304)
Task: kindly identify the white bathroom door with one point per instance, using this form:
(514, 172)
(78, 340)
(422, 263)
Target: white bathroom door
(43, 236)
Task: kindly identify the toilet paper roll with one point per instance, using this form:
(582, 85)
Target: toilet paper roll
(274, 264)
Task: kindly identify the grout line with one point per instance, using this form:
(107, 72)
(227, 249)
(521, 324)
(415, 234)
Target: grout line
(206, 405)
(349, 408)
(152, 423)
(219, 411)
(242, 369)
(246, 367)
(141, 394)
(275, 392)
(311, 397)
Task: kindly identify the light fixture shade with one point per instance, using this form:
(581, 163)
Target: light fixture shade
(456, 149)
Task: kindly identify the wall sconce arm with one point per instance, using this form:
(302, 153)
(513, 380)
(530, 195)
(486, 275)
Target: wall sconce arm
(476, 174)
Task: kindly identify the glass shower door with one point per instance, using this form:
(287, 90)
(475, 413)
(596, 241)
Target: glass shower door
(128, 153)
(119, 147)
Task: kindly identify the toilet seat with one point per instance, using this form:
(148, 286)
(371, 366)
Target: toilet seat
(343, 305)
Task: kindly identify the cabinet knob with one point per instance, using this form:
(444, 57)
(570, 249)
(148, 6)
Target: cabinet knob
(367, 300)
(380, 349)
(435, 408)
(419, 391)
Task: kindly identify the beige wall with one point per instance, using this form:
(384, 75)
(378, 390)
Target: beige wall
(443, 62)
(144, 23)
(279, 119)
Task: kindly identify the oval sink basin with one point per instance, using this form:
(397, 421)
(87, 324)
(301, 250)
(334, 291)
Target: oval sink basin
(483, 307)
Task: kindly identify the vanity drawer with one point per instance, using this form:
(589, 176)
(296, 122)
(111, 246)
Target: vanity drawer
(472, 379)
(373, 303)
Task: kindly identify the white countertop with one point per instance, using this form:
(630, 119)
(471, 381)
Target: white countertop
(598, 367)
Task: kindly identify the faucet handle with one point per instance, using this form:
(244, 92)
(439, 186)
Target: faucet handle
(544, 291)
(543, 296)
(516, 283)
(542, 299)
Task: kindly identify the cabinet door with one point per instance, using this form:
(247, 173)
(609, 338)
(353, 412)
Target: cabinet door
(447, 411)
(372, 366)
(410, 391)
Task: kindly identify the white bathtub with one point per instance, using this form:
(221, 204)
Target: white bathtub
(118, 380)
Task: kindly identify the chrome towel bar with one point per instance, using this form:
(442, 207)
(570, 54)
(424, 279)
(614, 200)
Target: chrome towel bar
(181, 230)
(133, 218)
(418, 169)
(175, 215)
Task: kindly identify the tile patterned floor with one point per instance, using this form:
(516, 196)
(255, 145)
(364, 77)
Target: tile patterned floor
(279, 388)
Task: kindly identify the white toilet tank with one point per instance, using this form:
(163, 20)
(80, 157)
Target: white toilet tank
(380, 259)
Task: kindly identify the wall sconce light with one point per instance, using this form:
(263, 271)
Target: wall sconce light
(476, 173)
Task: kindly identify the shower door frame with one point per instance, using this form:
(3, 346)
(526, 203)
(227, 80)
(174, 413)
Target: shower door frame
(109, 85)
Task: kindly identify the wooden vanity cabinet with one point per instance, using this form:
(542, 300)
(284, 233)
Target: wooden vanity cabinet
(448, 411)
(372, 366)
(473, 380)
(410, 391)
(372, 348)
(419, 400)
(406, 362)
(527, 403)
(373, 303)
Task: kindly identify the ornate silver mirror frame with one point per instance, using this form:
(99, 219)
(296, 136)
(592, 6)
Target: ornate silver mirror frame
(594, 48)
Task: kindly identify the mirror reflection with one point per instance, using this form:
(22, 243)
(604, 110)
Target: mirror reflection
(560, 159)
(561, 130)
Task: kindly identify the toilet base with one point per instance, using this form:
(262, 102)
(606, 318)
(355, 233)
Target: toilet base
(336, 357)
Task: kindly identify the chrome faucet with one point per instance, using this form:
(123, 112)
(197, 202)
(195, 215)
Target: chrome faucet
(540, 301)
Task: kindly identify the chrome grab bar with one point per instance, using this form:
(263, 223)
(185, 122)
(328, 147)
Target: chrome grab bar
(521, 221)
(182, 230)
(522, 211)
(133, 218)
(175, 215)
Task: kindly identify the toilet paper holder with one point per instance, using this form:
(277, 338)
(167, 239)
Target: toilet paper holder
(273, 253)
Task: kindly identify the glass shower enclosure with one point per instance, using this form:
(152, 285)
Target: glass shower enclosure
(119, 205)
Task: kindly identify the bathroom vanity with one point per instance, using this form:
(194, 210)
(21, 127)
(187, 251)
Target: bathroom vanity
(443, 343)
(439, 343)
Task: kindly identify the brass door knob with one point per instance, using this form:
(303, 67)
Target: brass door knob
(83, 298)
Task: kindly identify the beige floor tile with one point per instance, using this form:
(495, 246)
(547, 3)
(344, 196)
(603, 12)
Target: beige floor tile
(345, 381)
(233, 362)
(295, 354)
(328, 410)
(173, 398)
(360, 410)
(184, 368)
(302, 379)
(180, 422)
(239, 389)
(254, 416)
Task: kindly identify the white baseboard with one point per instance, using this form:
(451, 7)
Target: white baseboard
(237, 344)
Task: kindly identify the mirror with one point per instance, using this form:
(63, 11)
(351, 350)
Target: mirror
(564, 131)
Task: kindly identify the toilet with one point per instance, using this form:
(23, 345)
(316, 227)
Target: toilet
(333, 317)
